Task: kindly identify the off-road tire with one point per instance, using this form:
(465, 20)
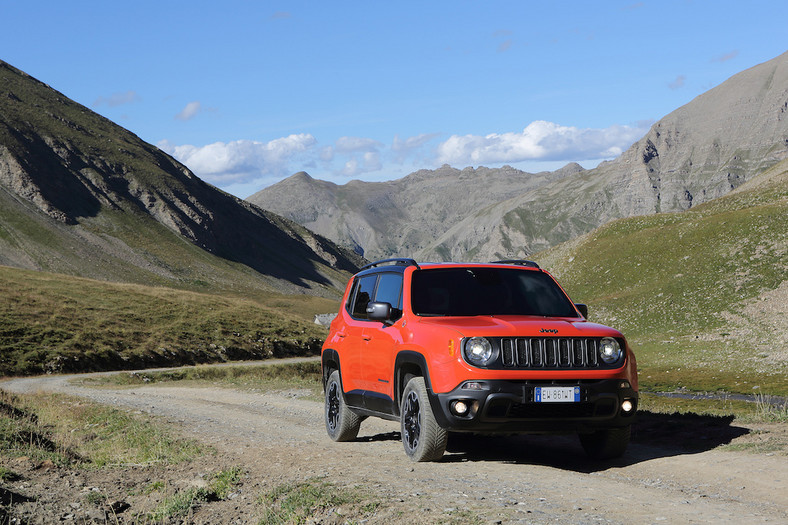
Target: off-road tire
(422, 437)
(607, 443)
(342, 424)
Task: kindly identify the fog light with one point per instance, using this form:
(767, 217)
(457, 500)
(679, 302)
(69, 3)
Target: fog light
(627, 406)
(460, 408)
(624, 384)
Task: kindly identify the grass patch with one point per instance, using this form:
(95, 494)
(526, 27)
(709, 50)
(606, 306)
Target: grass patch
(7, 474)
(155, 486)
(179, 504)
(316, 500)
(668, 377)
(704, 424)
(70, 432)
(698, 293)
(56, 323)
(722, 407)
(768, 410)
(225, 482)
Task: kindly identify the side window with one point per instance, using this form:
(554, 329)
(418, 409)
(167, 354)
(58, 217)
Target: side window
(364, 289)
(390, 291)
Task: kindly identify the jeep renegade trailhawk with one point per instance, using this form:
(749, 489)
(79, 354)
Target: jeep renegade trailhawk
(485, 348)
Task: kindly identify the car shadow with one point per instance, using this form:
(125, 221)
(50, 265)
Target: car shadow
(653, 436)
(388, 436)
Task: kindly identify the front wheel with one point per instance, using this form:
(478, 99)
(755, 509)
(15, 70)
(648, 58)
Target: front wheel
(607, 443)
(342, 424)
(422, 437)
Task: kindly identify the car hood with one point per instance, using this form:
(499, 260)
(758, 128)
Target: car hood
(521, 326)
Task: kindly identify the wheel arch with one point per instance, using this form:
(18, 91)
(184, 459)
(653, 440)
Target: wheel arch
(330, 361)
(410, 363)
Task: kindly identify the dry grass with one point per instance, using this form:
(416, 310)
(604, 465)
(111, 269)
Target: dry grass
(57, 323)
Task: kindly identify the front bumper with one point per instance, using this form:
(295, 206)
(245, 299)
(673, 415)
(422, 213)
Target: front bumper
(511, 406)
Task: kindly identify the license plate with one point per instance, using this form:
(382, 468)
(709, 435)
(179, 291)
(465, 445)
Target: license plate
(557, 394)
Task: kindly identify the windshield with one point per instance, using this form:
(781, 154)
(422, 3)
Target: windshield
(488, 291)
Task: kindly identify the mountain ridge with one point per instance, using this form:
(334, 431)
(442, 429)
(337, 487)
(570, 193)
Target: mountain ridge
(72, 178)
(377, 219)
(698, 152)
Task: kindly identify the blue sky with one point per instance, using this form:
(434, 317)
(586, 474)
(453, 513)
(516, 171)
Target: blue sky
(248, 93)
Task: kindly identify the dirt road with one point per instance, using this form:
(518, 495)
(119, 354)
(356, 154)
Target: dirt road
(531, 479)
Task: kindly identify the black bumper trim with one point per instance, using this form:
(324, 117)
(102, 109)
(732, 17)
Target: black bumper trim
(509, 406)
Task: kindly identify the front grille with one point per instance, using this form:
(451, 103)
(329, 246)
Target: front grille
(551, 352)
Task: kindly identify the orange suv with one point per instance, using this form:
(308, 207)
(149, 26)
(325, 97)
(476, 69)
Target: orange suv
(467, 347)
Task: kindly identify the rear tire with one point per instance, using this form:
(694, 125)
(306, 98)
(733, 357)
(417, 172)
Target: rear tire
(422, 437)
(342, 424)
(607, 443)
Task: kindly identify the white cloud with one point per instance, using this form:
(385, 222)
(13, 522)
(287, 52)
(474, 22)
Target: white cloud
(366, 163)
(357, 144)
(190, 111)
(727, 56)
(362, 154)
(678, 83)
(411, 143)
(540, 140)
(246, 166)
(327, 154)
(242, 160)
(504, 46)
(412, 148)
(117, 99)
(351, 168)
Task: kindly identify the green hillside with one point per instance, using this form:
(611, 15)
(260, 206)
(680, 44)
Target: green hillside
(58, 323)
(80, 195)
(702, 295)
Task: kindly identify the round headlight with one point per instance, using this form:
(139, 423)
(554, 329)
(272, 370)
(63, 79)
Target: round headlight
(609, 350)
(478, 351)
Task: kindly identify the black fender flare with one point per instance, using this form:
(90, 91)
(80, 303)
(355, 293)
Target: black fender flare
(329, 360)
(408, 361)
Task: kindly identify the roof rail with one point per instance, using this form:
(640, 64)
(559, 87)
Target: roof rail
(519, 262)
(397, 261)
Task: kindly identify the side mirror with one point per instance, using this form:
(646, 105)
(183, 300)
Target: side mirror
(583, 309)
(378, 311)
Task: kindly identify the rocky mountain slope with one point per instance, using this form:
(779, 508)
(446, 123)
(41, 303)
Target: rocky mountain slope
(382, 218)
(81, 195)
(700, 151)
(706, 286)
